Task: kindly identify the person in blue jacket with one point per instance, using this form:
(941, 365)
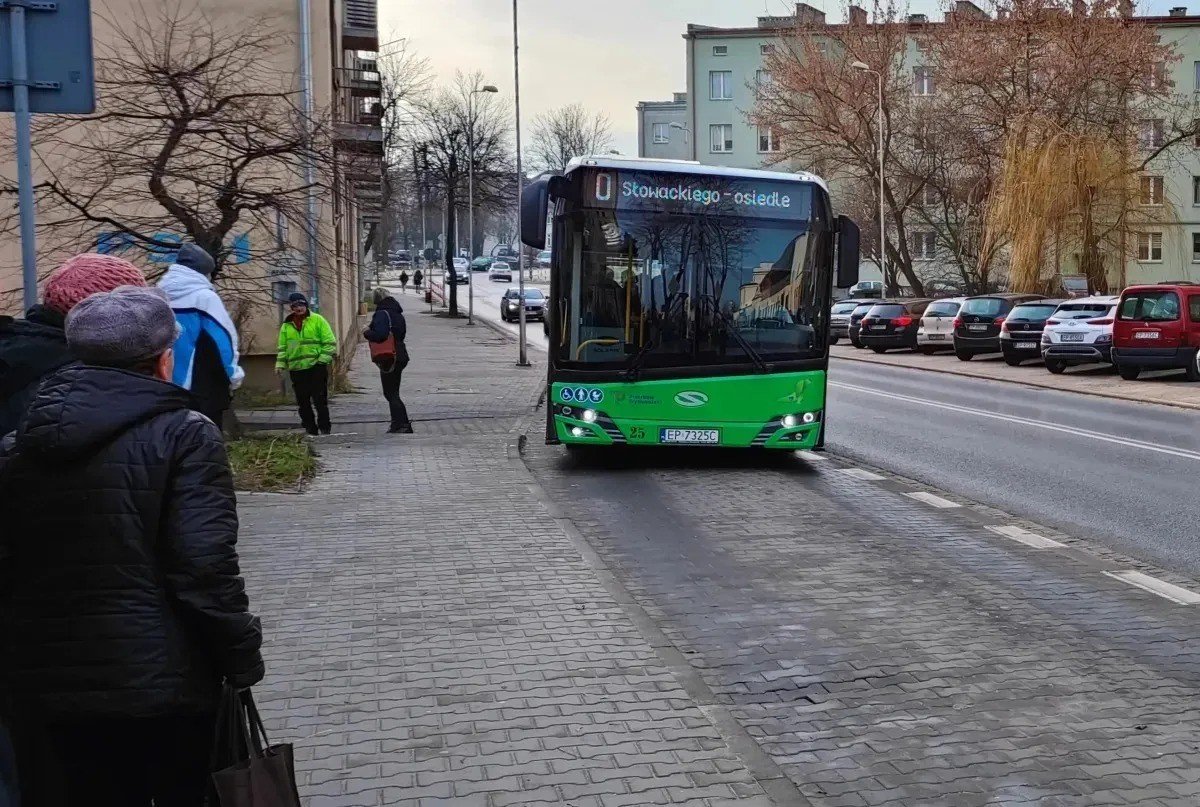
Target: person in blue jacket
(206, 353)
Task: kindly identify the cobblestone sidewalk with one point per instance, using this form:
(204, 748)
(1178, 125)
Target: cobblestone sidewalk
(435, 636)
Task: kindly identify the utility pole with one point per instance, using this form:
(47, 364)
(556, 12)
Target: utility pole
(471, 201)
(522, 354)
(451, 217)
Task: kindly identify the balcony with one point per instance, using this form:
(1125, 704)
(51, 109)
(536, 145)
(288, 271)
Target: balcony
(360, 25)
(360, 132)
(360, 83)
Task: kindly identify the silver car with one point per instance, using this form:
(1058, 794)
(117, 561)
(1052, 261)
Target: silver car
(839, 319)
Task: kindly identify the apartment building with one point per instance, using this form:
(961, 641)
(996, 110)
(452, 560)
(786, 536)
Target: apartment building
(345, 89)
(725, 64)
(663, 131)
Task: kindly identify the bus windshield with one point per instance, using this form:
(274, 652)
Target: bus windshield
(655, 289)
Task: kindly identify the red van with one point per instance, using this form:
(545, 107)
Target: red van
(1158, 328)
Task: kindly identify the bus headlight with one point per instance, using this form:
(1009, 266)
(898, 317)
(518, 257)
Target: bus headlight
(576, 431)
(789, 421)
(809, 417)
(589, 416)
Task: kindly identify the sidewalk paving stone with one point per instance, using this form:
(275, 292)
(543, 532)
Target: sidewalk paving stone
(434, 636)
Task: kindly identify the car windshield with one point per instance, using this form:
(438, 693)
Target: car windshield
(843, 308)
(942, 309)
(983, 306)
(1082, 310)
(651, 288)
(532, 294)
(886, 311)
(1034, 312)
(1150, 306)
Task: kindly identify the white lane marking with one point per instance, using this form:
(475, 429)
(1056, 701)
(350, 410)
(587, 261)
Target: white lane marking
(812, 456)
(1168, 591)
(932, 501)
(1024, 536)
(859, 473)
(1041, 424)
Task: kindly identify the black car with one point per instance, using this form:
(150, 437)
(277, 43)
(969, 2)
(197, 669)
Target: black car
(892, 325)
(535, 305)
(977, 326)
(1021, 333)
(856, 317)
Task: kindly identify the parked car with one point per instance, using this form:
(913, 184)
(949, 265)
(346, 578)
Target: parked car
(867, 288)
(459, 274)
(936, 331)
(856, 317)
(500, 270)
(1080, 331)
(1021, 333)
(535, 305)
(892, 325)
(400, 258)
(543, 259)
(839, 319)
(977, 326)
(1158, 328)
(481, 264)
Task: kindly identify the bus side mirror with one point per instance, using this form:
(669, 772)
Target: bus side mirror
(535, 199)
(847, 253)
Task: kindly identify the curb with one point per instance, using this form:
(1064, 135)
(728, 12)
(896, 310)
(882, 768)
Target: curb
(1033, 384)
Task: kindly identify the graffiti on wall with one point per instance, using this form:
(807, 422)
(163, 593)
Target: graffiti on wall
(167, 247)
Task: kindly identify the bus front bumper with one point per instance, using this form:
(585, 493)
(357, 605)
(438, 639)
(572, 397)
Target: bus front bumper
(575, 425)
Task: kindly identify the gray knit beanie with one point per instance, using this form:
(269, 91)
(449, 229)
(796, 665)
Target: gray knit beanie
(121, 328)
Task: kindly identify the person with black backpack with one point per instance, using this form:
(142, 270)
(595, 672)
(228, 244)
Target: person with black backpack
(386, 334)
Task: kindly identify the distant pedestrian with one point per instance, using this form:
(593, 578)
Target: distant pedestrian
(122, 610)
(206, 354)
(307, 347)
(417, 278)
(388, 320)
(403, 281)
(33, 347)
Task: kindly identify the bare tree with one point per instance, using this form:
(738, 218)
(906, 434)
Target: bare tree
(565, 133)
(198, 137)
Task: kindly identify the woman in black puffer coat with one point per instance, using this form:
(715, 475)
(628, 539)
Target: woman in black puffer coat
(122, 608)
(389, 319)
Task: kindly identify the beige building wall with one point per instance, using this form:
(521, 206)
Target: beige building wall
(340, 208)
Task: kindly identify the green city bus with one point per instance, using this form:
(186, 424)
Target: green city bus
(689, 304)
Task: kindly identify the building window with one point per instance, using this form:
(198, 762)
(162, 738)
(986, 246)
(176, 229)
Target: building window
(1152, 190)
(922, 81)
(766, 50)
(1196, 133)
(1196, 73)
(762, 77)
(720, 84)
(823, 48)
(768, 139)
(929, 196)
(662, 133)
(924, 245)
(721, 136)
(720, 50)
(1196, 191)
(1149, 247)
(1152, 134)
(1195, 247)
(1158, 76)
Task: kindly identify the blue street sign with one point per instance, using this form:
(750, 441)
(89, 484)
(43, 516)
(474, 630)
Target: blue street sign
(58, 37)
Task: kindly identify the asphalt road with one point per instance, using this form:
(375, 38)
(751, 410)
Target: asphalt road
(1120, 473)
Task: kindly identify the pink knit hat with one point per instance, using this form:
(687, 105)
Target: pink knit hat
(84, 275)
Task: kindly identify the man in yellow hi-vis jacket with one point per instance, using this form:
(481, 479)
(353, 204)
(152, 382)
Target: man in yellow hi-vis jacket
(306, 349)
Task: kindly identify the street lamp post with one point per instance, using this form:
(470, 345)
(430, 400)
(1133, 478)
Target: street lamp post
(471, 200)
(522, 357)
(882, 222)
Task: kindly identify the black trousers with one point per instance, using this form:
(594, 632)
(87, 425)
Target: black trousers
(161, 761)
(312, 391)
(391, 391)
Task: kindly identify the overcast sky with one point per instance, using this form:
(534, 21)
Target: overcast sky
(605, 54)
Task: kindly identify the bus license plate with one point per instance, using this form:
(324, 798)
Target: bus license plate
(703, 437)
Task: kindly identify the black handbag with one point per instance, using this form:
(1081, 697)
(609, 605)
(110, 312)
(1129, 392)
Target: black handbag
(247, 770)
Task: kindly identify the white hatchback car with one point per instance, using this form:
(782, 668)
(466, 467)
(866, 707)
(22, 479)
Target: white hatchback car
(1079, 331)
(936, 331)
(500, 270)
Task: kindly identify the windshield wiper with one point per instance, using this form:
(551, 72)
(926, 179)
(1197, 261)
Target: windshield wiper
(635, 364)
(732, 328)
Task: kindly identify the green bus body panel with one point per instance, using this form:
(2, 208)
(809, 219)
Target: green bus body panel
(746, 409)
